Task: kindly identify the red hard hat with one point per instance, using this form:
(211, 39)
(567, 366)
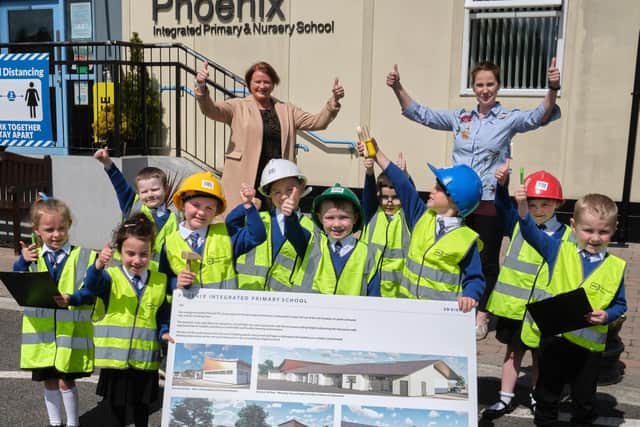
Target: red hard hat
(543, 185)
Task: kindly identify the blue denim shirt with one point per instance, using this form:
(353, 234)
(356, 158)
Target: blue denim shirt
(483, 144)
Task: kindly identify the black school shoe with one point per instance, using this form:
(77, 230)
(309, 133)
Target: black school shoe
(507, 408)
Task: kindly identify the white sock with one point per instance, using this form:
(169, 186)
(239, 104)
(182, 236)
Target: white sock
(71, 403)
(53, 402)
(505, 399)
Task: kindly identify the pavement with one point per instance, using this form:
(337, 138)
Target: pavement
(617, 404)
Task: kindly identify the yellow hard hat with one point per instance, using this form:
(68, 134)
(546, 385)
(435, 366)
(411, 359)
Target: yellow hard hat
(199, 184)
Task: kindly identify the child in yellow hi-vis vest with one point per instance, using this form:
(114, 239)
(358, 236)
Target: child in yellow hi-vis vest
(201, 252)
(273, 264)
(338, 263)
(385, 230)
(437, 229)
(57, 343)
(522, 263)
(573, 357)
(127, 338)
(149, 197)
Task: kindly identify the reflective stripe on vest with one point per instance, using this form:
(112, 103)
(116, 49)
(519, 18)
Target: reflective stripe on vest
(319, 276)
(389, 240)
(216, 268)
(136, 357)
(432, 268)
(600, 286)
(517, 274)
(127, 335)
(60, 338)
(257, 271)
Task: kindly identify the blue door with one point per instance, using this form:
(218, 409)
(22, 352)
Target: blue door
(38, 21)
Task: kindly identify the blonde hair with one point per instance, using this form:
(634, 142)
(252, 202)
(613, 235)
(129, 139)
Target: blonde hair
(49, 205)
(598, 205)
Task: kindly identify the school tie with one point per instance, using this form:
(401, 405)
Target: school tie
(159, 212)
(441, 228)
(589, 257)
(53, 257)
(337, 247)
(194, 241)
(542, 227)
(137, 283)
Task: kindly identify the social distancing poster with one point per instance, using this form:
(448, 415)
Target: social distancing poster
(25, 110)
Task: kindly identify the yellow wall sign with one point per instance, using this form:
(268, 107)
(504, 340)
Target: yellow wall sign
(103, 118)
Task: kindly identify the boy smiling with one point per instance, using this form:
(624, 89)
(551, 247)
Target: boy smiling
(573, 357)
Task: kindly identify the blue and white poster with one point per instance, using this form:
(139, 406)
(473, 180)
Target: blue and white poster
(25, 113)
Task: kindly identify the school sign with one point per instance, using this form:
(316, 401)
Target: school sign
(25, 114)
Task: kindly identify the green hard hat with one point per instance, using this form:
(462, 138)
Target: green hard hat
(338, 192)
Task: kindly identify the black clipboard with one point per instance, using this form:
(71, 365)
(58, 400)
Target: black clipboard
(562, 313)
(31, 289)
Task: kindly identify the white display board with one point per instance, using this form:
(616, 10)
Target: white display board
(244, 358)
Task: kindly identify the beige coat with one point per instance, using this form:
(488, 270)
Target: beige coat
(245, 142)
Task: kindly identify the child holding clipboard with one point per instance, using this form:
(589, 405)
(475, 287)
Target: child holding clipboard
(57, 344)
(573, 357)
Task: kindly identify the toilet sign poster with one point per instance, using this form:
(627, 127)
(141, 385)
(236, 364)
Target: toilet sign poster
(25, 114)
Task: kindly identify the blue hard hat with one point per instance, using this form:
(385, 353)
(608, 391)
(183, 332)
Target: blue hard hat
(462, 184)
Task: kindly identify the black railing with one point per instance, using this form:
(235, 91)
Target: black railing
(152, 107)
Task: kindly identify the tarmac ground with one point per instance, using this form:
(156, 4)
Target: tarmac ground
(21, 400)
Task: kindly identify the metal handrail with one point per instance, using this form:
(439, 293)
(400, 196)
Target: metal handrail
(116, 59)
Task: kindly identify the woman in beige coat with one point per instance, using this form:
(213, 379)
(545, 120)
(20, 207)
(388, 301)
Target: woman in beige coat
(262, 128)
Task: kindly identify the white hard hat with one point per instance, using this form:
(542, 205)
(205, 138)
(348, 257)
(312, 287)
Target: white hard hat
(277, 169)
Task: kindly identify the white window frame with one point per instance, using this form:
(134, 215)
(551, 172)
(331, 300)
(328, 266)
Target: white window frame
(501, 4)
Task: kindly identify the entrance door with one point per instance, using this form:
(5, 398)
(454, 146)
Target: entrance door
(37, 21)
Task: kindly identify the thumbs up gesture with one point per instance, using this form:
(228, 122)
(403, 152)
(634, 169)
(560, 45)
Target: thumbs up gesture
(553, 75)
(247, 194)
(291, 203)
(202, 76)
(337, 93)
(104, 258)
(393, 78)
(29, 253)
(502, 172)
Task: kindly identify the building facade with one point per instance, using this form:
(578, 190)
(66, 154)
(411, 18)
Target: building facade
(433, 42)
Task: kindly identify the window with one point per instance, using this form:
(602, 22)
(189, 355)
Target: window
(520, 36)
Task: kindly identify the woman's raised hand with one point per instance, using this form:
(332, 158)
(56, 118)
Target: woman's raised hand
(393, 78)
(337, 93)
(553, 75)
(203, 75)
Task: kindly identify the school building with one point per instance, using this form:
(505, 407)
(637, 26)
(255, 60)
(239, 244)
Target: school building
(309, 42)
(227, 371)
(403, 378)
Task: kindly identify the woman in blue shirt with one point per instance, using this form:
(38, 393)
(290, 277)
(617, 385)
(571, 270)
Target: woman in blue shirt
(482, 140)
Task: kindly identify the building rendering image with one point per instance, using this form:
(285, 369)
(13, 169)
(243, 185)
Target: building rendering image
(400, 378)
(212, 365)
(227, 371)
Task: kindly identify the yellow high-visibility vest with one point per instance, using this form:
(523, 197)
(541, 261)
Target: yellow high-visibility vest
(257, 272)
(61, 338)
(432, 269)
(127, 335)
(390, 240)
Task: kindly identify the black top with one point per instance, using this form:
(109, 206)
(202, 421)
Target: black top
(271, 141)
